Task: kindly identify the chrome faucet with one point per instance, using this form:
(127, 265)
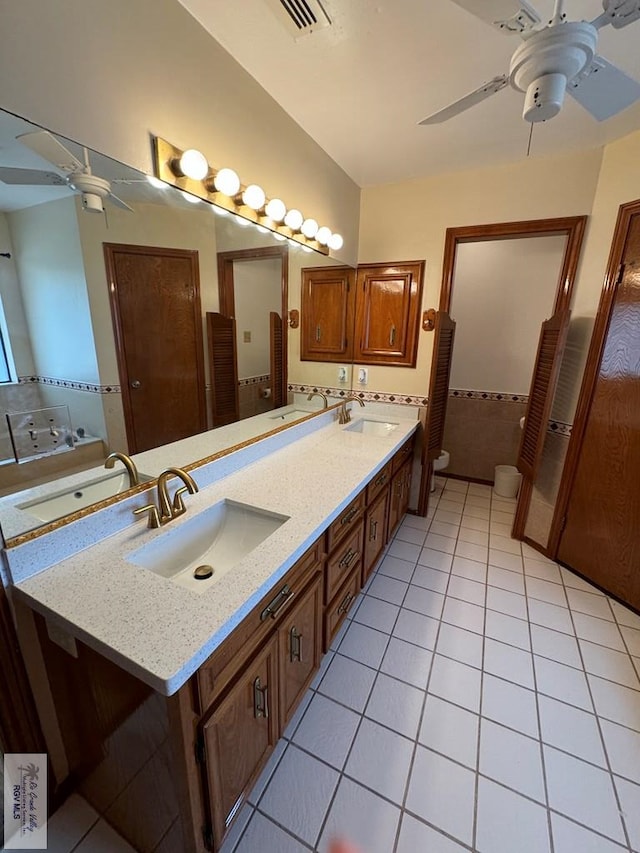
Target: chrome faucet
(166, 509)
(319, 394)
(344, 414)
(128, 463)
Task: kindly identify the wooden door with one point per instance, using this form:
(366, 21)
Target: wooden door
(276, 334)
(327, 314)
(388, 299)
(375, 532)
(223, 368)
(239, 735)
(601, 537)
(300, 648)
(155, 304)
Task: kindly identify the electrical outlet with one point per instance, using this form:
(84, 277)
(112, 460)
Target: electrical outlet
(342, 374)
(363, 376)
(247, 337)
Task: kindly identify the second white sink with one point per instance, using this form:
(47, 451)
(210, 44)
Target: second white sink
(369, 427)
(216, 539)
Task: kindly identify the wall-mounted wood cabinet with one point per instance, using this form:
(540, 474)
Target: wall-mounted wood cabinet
(370, 315)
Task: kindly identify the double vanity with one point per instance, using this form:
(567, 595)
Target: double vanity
(173, 658)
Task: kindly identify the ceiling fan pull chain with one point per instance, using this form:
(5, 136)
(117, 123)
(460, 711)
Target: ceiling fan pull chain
(530, 137)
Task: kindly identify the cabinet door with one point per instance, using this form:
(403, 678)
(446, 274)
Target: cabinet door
(375, 532)
(239, 735)
(327, 314)
(300, 648)
(388, 300)
(406, 487)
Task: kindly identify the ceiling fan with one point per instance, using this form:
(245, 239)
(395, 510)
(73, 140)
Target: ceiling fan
(552, 60)
(76, 175)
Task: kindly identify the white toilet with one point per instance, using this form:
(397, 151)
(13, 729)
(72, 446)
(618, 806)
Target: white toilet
(438, 465)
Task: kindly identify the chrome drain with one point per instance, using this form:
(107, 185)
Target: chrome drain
(203, 572)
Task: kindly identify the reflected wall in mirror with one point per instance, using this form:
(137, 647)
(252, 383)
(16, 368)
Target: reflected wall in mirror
(57, 320)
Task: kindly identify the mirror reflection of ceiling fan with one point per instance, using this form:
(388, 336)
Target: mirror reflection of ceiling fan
(553, 60)
(77, 176)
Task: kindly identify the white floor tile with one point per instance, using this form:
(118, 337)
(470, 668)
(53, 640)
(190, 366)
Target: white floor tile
(327, 731)
(568, 837)
(103, 839)
(263, 779)
(475, 523)
(404, 550)
(380, 760)
(632, 640)
(463, 614)
(506, 602)
(466, 590)
(417, 521)
(451, 485)
(424, 601)
(607, 663)
(512, 759)
(504, 560)
(477, 537)
(463, 567)
(480, 489)
(508, 662)
(462, 645)
(615, 702)
(508, 822)
(550, 616)
(478, 500)
(364, 644)
(587, 602)
(599, 631)
(510, 704)
(435, 559)
(359, 816)
(393, 567)
(624, 616)
(430, 578)
(377, 614)
(562, 682)
(506, 544)
(472, 511)
(623, 749)
(416, 628)
(69, 824)
(413, 535)
(547, 571)
(471, 551)
(507, 629)
(442, 793)
(555, 645)
(582, 792)
(416, 836)
(298, 795)
(456, 682)
(263, 834)
(500, 529)
(444, 529)
(505, 579)
(348, 681)
(448, 517)
(450, 730)
(440, 543)
(571, 729)
(533, 553)
(231, 839)
(388, 589)
(574, 581)
(629, 798)
(553, 593)
(455, 502)
(396, 705)
(407, 662)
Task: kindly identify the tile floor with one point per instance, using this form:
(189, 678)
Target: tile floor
(478, 698)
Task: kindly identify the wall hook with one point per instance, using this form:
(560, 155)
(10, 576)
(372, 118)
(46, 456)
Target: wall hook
(294, 318)
(429, 320)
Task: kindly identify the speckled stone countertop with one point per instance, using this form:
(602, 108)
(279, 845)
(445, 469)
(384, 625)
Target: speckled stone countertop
(162, 632)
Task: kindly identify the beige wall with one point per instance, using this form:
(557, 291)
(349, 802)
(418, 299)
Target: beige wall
(111, 74)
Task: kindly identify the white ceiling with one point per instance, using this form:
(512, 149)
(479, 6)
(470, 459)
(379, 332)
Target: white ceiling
(360, 86)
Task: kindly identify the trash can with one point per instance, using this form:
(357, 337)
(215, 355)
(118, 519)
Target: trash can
(507, 481)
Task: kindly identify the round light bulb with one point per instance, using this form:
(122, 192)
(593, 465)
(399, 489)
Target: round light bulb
(189, 197)
(276, 210)
(279, 236)
(309, 228)
(336, 242)
(156, 182)
(307, 249)
(324, 235)
(293, 219)
(194, 164)
(219, 211)
(254, 197)
(227, 182)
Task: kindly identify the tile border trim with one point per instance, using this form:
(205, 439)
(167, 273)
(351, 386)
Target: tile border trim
(365, 396)
(70, 383)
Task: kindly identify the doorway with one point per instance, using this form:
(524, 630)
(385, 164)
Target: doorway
(157, 319)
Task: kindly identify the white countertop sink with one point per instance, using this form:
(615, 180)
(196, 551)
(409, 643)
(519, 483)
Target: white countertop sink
(293, 415)
(77, 497)
(370, 427)
(216, 539)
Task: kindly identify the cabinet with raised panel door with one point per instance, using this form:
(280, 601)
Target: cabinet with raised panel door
(399, 496)
(327, 308)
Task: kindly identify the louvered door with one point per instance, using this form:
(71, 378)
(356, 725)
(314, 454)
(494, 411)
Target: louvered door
(221, 332)
(553, 335)
(277, 360)
(439, 385)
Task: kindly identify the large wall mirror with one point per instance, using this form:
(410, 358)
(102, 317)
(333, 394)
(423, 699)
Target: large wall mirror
(74, 319)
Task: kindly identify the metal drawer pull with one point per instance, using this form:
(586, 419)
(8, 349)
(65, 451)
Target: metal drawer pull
(348, 558)
(295, 646)
(380, 480)
(349, 516)
(346, 603)
(373, 530)
(318, 333)
(260, 703)
(274, 606)
(392, 336)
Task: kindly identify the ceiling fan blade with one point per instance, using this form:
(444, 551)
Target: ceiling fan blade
(604, 90)
(510, 16)
(470, 100)
(618, 13)
(119, 203)
(32, 177)
(47, 146)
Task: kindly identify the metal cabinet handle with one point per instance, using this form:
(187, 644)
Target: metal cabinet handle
(295, 646)
(260, 700)
(392, 336)
(346, 603)
(318, 333)
(349, 516)
(373, 530)
(348, 558)
(278, 602)
(380, 480)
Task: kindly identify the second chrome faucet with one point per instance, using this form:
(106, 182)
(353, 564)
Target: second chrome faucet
(168, 509)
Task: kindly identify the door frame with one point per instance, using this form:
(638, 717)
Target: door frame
(573, 227)
(592, 368)
(226, 289)
(110, 249)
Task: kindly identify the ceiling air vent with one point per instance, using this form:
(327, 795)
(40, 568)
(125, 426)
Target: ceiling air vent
(300, 17)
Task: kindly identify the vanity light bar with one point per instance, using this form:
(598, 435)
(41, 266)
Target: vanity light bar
(224, 189)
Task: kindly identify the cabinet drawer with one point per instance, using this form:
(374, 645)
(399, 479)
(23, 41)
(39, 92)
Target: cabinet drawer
(381, 479)
(343, 559)
(345, 522)
(405, 452)
(340, 606)
(218, 671)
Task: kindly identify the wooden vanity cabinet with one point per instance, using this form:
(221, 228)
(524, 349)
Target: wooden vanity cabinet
(375, 530)
(327, 314)
(399, 496)
(343, 565)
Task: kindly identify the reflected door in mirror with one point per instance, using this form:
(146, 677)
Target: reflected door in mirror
(155, 302)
